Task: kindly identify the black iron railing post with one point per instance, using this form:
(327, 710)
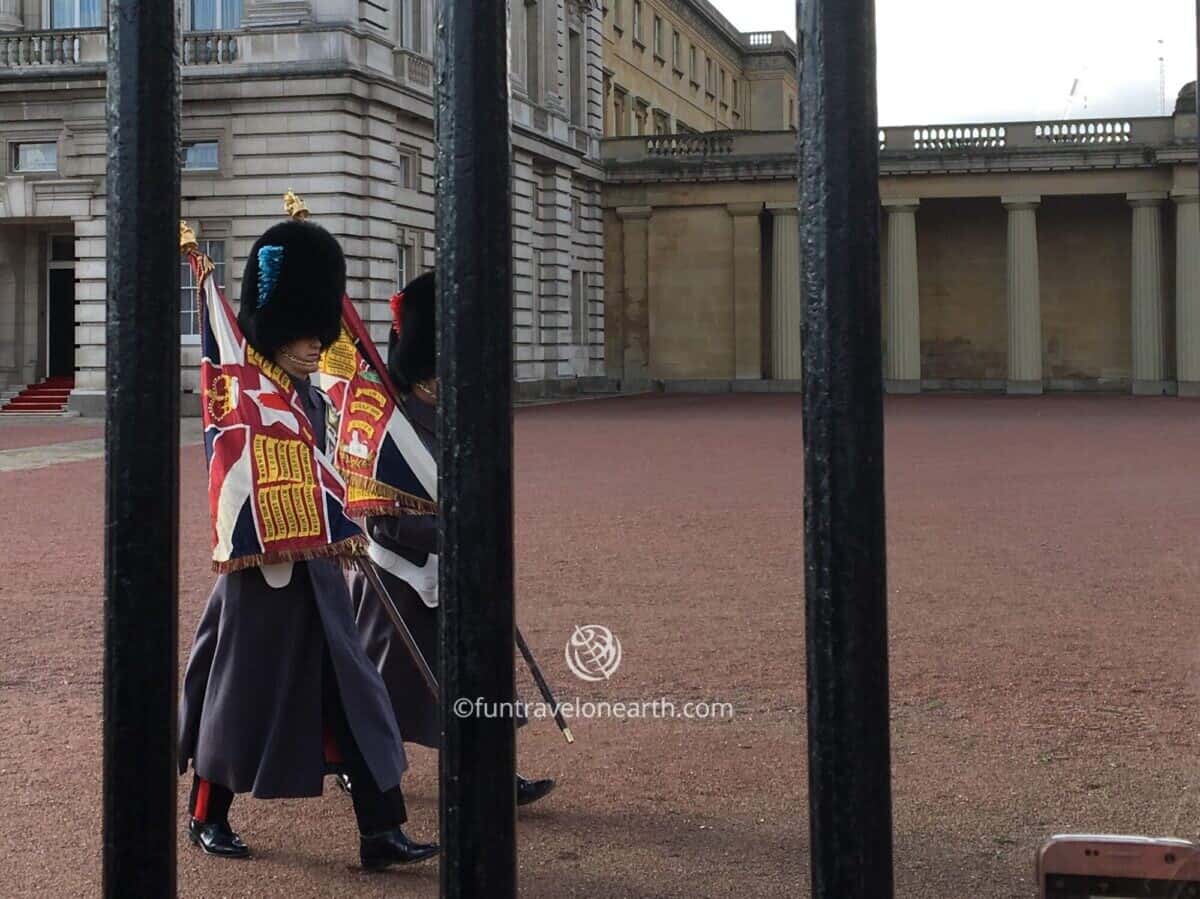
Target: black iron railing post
(141, 451)
(474, 272)
(846, 584)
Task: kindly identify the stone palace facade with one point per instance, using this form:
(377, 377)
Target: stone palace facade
(329, 98)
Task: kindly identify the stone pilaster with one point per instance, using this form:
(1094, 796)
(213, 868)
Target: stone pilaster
(1146, 295)
(1024, 297)
(787, 364)
(747, 290)
(902, 312)
(635, 222)
(1187, 292)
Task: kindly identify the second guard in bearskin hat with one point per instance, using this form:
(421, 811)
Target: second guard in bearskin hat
(404, 547)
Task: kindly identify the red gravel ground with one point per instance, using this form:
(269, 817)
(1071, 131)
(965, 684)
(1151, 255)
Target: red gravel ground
(1044, 656)
(16, 433)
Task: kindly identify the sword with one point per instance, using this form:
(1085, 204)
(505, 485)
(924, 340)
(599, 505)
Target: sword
(547, 695)
(367, 566)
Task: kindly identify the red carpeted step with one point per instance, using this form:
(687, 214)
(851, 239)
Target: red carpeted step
(48, 397)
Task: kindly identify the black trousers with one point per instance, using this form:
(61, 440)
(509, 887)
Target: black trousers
(375, 810)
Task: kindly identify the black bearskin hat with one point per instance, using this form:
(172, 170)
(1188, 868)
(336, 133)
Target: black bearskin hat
(292, 287)
(412, 346)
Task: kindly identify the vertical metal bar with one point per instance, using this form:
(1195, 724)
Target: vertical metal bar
(474, 279)
(142, 451)
(845, 565)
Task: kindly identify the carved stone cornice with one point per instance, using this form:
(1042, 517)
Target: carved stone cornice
(704, 18)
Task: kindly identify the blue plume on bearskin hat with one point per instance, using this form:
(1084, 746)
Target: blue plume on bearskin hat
(292, 287)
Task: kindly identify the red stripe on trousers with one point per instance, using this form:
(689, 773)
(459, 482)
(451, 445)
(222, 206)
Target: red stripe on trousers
(200, 812)
(333, 755)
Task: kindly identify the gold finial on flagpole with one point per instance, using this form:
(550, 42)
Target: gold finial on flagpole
(187, 238)
(294, 206)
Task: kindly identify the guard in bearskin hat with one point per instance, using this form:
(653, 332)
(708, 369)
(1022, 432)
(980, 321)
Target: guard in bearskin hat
(278, 689)
(404, 547)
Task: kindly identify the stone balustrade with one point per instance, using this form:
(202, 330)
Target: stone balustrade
(209, 48)
(1027, 135)
(414, 70)
(716, 143)
(25, 53)
(41, 49)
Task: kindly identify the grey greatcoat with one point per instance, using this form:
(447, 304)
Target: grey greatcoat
(410, 542)
(413, 539)
(250, 718)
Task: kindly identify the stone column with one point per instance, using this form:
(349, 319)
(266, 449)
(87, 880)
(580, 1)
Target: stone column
(902, 311)
(1187, 292)
(747, 290)
(1146, 295)
(1024, 297)
(786, 301)
(635, 222)
(10, 15)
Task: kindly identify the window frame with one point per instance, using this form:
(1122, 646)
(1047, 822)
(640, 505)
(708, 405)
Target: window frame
(412, 157)
(184, 144)
(48, 16)
(219, 17)
(13, 154)
(220, 269)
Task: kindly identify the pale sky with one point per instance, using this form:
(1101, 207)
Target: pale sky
(947, 61)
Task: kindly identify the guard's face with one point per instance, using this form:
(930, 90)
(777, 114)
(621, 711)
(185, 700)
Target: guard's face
(299, 358)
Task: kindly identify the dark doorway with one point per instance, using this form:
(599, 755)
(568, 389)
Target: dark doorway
(60, 343)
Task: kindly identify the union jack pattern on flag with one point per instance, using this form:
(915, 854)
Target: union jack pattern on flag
(274, 496)
(388, 470)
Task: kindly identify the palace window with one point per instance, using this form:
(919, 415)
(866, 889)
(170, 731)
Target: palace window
(637, 20)
(404, 265)
(620, 112)
(533, 50)
(408, 168)
(535, 299)
(200, 156)
(40, 156)
(676, 52)
(215, 15)
(618, 15)
(692, 71)
(575, 69)
(410, 25)
(658, 37)
(191, 306)
(74, 14)
(579, 328)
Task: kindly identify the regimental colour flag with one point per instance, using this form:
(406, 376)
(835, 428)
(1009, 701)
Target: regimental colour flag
(387, 469)
(274, 496)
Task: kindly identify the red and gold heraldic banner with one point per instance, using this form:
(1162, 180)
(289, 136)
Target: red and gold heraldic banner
(387, 469)
(273, 494)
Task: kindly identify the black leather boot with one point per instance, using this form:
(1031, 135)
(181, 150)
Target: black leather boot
(532, 790)
(393, 847)
(217, 839)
